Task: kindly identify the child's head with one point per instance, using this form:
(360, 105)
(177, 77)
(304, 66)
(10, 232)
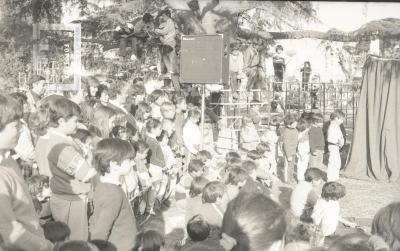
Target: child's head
(143, 111)
(213, 192)
(105, 118)
(154, 127)
(302, 125)
(168, 110)
(255, 221)
(158, 97)
(204, 155)
(104, 245)
(262, 148)
(314, 176)
(333, 191)
(247, 120)
(279, 49)
(231, 155)
(102, 93)
(56, 231)
(274, 122)
(22, 99)
(194, 115)
(337, 116)
(196, 168)
(250, 167)
(120, 132)
(76, 246)
(113, 156)
(290, 120)
(142, 149)
(386, 224)
(61, 113)
(234, 162)
(254, 155)
(197, 185)
(180, 102)
(317, 119)
(149, 240)
(198, 228)
(237, 177)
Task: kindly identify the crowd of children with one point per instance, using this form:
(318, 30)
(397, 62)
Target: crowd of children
(79, 175)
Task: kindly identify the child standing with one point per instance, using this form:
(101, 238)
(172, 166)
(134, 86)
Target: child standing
(289, 138)
(270, 137)
(114, 221)
(335, 142)
(303, 149)
(71, 170)
(317, 141)
(248, 134)
(192, 135)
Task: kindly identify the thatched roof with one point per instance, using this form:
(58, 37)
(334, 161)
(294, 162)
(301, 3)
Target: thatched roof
(388, 27)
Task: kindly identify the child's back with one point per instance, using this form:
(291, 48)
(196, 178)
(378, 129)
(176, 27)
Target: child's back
(115, 214)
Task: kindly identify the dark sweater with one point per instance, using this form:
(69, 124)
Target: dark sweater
(316, 138)
(112, 218)
(289, 138)
(156, 156)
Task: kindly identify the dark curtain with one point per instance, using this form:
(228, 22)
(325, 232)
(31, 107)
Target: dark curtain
(375, 150)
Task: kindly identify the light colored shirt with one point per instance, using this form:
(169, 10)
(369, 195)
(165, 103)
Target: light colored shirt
(301, 196)
(236, 62)
(25, 149)
(191, 136)
(167, 32)
(326, 215)
(335, 135)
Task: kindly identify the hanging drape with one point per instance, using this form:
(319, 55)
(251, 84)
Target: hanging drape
(375, 149)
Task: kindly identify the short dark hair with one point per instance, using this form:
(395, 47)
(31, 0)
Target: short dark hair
(337, 114)
(74, 245)
(302, 125)
(111, 149)
(231, 155)
(100, 89)
(386, 224)
(254, 155)
(254, 221)
(36, 78)
(198, 228)
(147, 18)
(333, 191)
(249, 166)
(313, 174)
(203, 155)
(236, 175)
(149, 240)
(20, 97)
(167, 12)
(104, 245)
(263, 147)
(152, 124)
(289, 119)
(195, 165)
(197, 185)
(317, 118)
(10, 111)
(56, 231)
(212, 191)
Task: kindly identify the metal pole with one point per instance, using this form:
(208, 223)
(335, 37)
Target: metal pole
(323, 97)
(202, 115)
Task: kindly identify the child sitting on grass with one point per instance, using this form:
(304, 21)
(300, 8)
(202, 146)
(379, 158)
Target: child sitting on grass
(211, 171)
(306, 193)
(326, 213)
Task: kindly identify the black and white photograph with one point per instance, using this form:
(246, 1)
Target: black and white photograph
(199, 125)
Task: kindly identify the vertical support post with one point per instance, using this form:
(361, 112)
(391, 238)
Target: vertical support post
(77, 57)
(323, 97)
(286, 106)
(203, 96)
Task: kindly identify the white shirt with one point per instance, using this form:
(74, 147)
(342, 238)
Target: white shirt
(326, 215)
(191, 136)
(25, 149)
(335, 135)
(299, 197)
